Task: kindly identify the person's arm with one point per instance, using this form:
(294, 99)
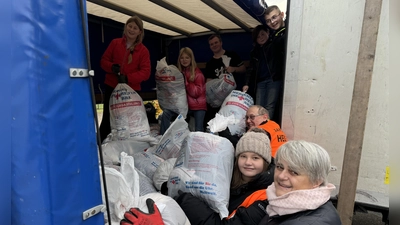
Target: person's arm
(236, 65)
(240, 69)
(251, 215)
(194, 89)
(236, 69)
(107, 60)
(144, 68)
(199, 213)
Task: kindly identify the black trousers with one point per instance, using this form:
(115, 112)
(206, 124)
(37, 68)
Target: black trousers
(105, 127)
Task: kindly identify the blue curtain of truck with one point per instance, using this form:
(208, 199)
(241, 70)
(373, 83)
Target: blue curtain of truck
(48, 124)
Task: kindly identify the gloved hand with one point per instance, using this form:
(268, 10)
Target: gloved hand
(115, 68)
(137, 217)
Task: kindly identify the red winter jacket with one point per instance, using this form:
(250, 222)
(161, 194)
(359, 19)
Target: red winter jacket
(137, 71)
(196, 90)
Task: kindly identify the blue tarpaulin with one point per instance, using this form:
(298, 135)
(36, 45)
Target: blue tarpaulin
(54, 158)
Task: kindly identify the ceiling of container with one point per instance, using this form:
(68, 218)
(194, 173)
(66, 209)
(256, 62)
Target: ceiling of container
(178, 18)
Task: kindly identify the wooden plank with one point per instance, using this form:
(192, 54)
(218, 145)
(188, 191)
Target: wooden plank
(358, 111)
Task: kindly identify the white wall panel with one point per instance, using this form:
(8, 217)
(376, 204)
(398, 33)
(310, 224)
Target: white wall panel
(322, 56)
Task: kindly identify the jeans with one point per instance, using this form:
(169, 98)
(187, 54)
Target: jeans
(198, 119)
(267, 94)
(166, 118)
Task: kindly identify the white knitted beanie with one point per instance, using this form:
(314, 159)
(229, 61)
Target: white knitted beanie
(255, 142)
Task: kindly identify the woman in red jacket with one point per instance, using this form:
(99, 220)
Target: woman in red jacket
(127, 56)
(195, 91)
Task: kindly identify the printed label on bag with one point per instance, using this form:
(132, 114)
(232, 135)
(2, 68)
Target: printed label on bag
(125, 104)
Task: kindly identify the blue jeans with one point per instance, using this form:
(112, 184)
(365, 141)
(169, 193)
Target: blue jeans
(166, 118)
(198, 119)
(267, 94)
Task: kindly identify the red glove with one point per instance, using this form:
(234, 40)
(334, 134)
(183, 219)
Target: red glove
(137, 217)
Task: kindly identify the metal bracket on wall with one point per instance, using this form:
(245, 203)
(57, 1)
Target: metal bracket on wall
(93, 211)
(78, 72)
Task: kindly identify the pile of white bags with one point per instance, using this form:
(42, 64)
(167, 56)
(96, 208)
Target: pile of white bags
(123, 190)
(130, 177)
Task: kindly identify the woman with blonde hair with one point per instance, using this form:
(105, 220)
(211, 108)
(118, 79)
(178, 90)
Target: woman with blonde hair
(195, 91)
(300, 193)
(253, 172)
(124, 56)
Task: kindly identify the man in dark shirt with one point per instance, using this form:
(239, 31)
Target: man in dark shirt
(216, 67)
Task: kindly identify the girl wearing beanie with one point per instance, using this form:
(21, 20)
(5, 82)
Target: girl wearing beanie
(253, 172)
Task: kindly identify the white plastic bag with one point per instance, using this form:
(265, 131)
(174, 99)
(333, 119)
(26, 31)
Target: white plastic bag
(147, 163)
(131, 176)
(112, 150)
(204, 169)
(236, 103)
(171, 212)
(220, 123)
(218, 89)
(162, 172)
(145, 185)
(120, 197)
(122, 188)
(170, 143)
(171, 89)
(128, 118)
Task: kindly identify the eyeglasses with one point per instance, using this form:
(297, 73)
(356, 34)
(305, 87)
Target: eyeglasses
(251, 117)
(273, 18)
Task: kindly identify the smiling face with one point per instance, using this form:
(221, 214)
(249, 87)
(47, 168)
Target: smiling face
(287, 179)
(250, 164)
(262, 37)
(215, 45)
(274, 19)
(132, 31)
(185, 60)
(253, 118)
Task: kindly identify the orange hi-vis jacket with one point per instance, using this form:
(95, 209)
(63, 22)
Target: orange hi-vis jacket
(259, 195)
(278, 137)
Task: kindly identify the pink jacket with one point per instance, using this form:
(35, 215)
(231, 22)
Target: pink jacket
(137, 71)
(196, 90)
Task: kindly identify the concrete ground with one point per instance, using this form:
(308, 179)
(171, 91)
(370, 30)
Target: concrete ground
(370, 218)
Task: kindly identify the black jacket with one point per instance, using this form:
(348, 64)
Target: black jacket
(278, 50)
(326, 214)
(274, 52)
(199, 213)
